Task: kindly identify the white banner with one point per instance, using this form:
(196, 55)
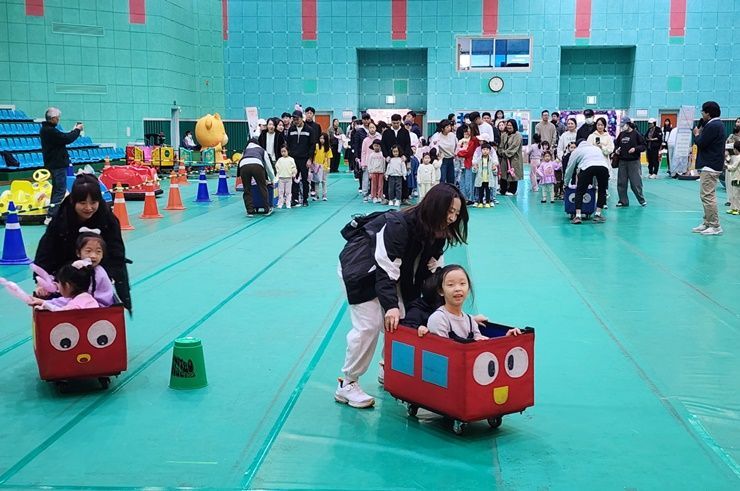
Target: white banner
(679, 142)
(253, 116)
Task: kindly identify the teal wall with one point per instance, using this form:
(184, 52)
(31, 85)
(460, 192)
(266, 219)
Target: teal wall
(606, 73)
(398, 72)
(267, 65)
(112, 81)
(131, 71)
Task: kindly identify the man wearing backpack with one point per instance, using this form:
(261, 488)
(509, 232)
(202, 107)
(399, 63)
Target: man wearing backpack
(56, 159)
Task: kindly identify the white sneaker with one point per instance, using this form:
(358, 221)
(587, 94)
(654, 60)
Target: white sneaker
(381, 373)
(701, 228)
(353, 395)
(288, 206)
(712, 231)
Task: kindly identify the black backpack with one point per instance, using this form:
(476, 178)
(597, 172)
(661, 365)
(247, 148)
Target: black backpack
(356, 226)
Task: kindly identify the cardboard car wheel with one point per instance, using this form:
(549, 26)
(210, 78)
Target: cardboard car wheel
(458, 427)
(495, 422)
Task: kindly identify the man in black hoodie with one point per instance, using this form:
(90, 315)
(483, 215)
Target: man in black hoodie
(629, 145)
(588, 127)
(54, 149)
(301, 147)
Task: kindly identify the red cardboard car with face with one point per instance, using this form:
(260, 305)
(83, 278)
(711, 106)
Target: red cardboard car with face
(464, 381)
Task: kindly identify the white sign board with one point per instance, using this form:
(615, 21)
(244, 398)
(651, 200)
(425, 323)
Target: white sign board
(678, 153)
(385, 114)
(252, 117)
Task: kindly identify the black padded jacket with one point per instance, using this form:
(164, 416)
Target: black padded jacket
(388, 255)
(57, 246)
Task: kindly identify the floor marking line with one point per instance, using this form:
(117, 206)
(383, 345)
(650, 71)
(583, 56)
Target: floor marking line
(15, 345)
(259, 459)
(698, 290)
(697, 432)
(287, 379)
(30, 456)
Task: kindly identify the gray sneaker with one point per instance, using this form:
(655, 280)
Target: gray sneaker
(599, 219)
(701, 228)
(713, 231)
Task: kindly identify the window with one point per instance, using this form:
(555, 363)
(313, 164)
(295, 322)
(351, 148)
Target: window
(494, 54)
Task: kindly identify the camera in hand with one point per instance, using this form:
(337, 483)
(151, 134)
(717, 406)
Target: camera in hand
(598, 140)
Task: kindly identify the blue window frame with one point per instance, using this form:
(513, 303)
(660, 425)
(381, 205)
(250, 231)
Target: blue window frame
(494, 54)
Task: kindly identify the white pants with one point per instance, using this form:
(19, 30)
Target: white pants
(367, 324)
(424, 188)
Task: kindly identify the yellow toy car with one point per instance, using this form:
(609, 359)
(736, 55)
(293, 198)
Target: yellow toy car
(31, 198)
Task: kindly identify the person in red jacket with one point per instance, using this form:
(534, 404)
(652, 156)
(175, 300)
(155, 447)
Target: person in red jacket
(467, 153)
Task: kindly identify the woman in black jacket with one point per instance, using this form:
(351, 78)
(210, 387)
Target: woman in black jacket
(384, 268)
(276, 138)
(84, 207)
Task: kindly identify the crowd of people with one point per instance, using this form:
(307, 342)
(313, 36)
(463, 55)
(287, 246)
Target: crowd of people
(483, 155)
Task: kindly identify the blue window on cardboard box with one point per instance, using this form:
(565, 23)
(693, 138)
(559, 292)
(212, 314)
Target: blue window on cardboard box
(402, 355)
(434, 368)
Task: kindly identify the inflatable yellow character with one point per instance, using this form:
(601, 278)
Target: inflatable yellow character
(210, 132)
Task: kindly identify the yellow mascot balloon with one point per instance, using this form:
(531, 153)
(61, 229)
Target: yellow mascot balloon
(209, 130)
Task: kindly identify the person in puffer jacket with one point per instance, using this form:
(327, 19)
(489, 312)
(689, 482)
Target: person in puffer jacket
(384, 267)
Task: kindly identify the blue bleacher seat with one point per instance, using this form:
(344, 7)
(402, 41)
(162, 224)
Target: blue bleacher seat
(18, 129)
(2, 162)
(3, 129)
(4, 144)
(3, 114)
(20, 114)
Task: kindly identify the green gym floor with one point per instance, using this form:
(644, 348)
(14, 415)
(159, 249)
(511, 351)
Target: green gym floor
(637, 369)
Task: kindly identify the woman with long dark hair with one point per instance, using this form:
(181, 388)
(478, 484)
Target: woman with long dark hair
(335, 134)
(384, 267)
(272, 140)
(84, 207)
(510, 159)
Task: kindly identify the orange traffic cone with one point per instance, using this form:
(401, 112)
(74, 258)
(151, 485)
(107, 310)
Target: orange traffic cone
(183, 174)
(119, 209)
(239, 186)
(174, 201)
(150, 202)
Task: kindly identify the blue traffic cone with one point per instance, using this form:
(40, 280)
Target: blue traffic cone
(203, 195)
(14, 252)
(70, 170)
(223, 184)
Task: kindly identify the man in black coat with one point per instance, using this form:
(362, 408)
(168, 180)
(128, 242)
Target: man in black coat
(311, 123)
(588, 127)
(411, 117)
(54, 149)
(397, 135)
(709, 138)
(301, 147)
(358, 136)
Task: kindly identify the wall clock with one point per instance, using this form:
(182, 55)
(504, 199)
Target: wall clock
(496, 84)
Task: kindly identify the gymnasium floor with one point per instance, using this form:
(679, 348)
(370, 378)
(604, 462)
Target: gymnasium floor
(638, 337)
